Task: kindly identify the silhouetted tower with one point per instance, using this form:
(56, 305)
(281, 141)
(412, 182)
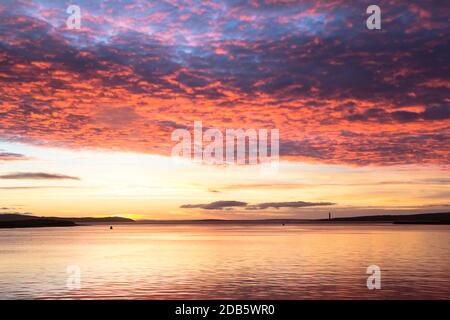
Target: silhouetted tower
(329, 215)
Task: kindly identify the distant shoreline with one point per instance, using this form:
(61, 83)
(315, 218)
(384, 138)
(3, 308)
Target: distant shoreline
(424, 218)
(36, 223)
(257, 222)
(13, 221)
(26, 221)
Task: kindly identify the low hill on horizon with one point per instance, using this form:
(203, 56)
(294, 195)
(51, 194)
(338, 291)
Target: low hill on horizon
(424, 218)
(17, 220)
(437, 218)
(36, 223)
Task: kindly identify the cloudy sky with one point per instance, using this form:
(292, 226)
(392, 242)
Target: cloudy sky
(86, 116)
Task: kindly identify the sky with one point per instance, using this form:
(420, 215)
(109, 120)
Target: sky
(87, 115)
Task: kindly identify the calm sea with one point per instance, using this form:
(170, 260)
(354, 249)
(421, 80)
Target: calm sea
(225, 262)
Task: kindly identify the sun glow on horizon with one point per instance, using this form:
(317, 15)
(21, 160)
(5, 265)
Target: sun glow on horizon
(143, 186)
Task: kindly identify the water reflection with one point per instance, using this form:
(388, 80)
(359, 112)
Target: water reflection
(226, 262)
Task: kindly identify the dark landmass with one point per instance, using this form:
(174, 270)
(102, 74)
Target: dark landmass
(15, 217)
(28, 221)
(422, 218)
(426, 218)
(36, 223)
(13, 220)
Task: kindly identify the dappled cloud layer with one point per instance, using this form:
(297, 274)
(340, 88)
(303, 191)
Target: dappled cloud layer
(137, 70)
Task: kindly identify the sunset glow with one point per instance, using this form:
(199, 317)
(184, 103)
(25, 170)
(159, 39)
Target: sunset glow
(87, 115)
